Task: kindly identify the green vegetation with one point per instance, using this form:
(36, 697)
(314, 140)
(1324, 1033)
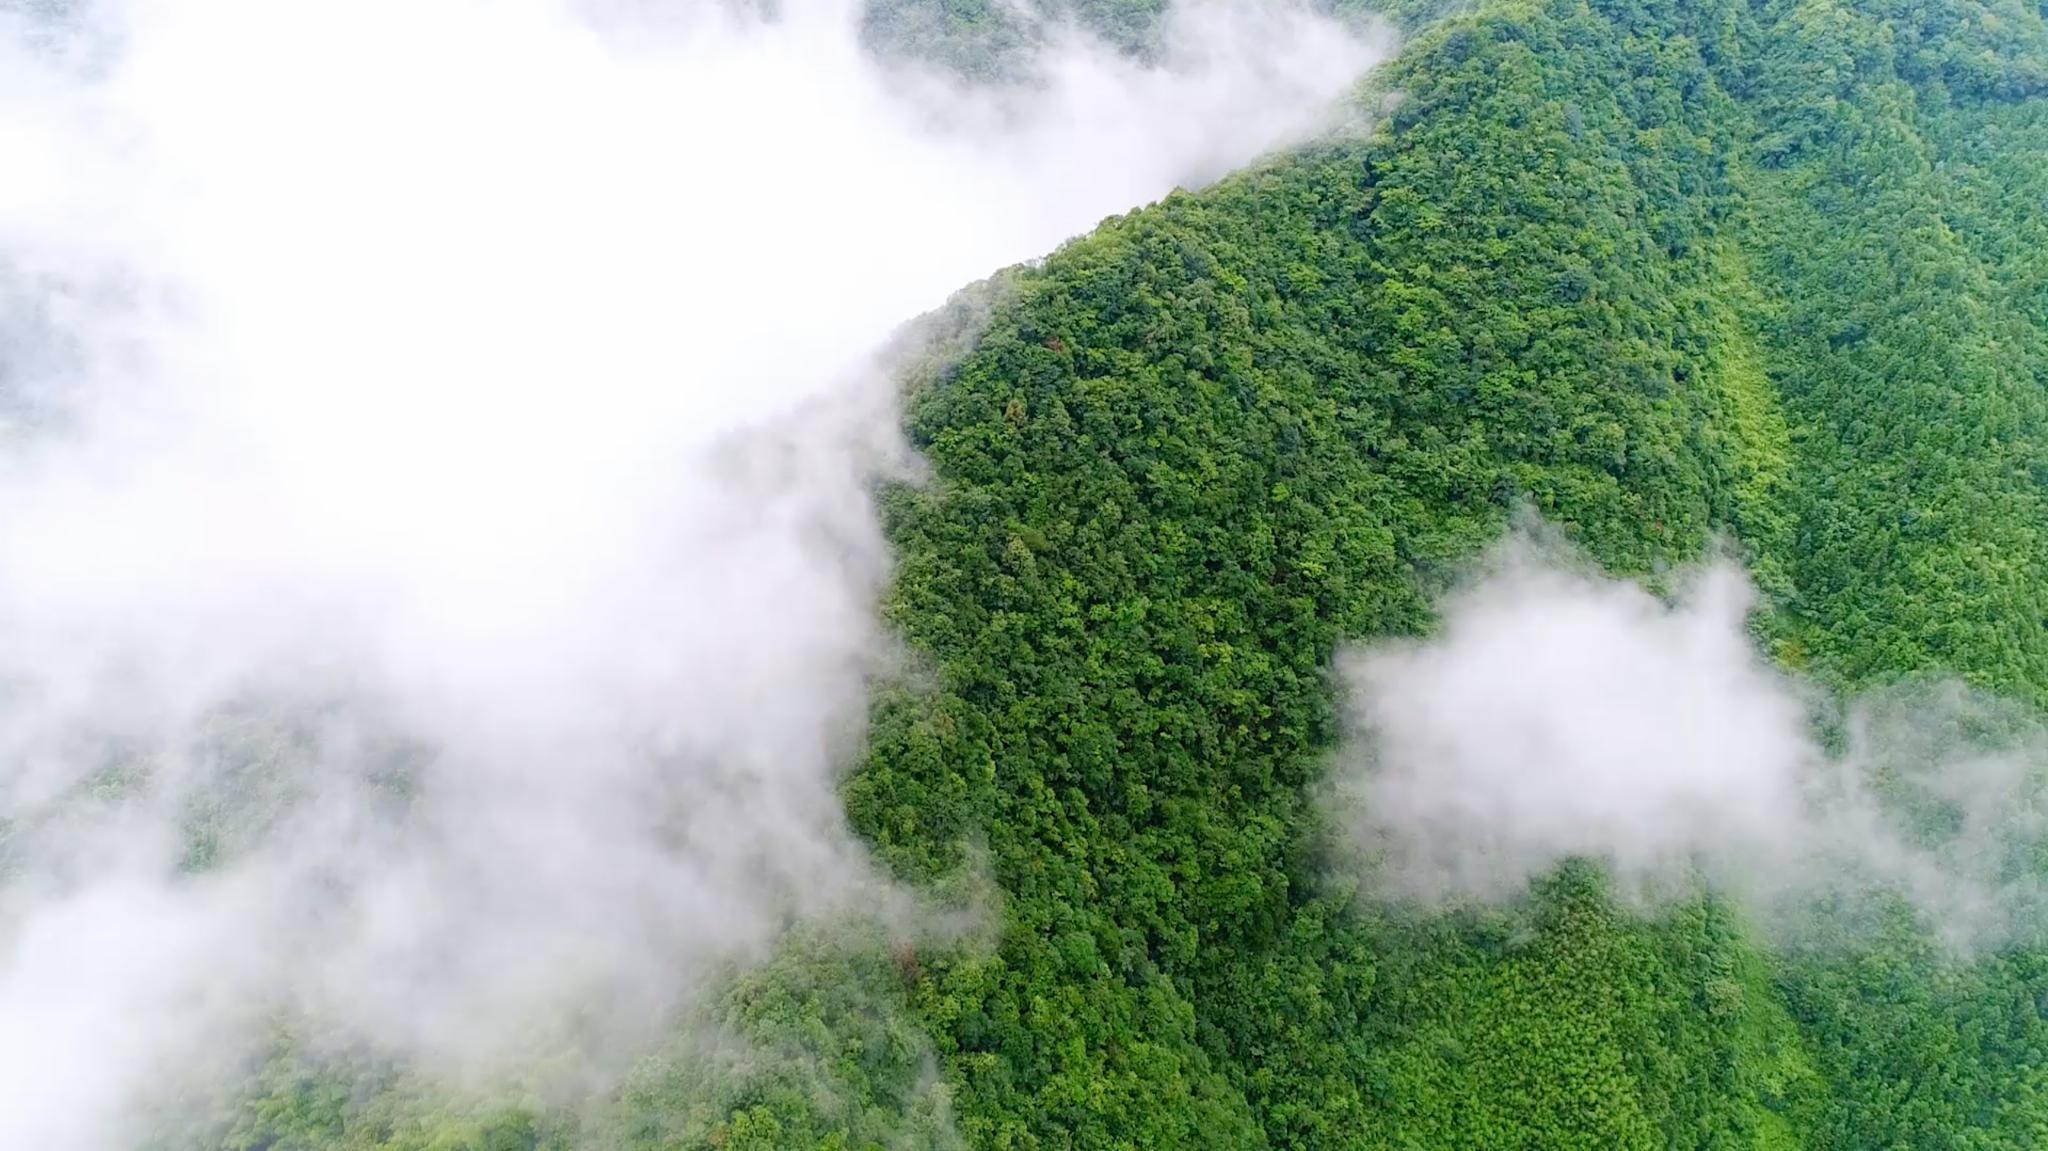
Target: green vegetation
(1663, 269)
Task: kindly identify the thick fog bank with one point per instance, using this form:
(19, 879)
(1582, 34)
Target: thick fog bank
(436, 568)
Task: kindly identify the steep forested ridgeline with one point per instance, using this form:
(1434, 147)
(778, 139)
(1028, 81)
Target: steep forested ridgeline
(1201, 447)
(1661, 270)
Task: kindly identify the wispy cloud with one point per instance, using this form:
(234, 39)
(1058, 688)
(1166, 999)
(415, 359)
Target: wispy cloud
(1560, 713)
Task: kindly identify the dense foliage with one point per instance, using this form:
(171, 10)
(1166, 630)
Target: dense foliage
(1661, 269)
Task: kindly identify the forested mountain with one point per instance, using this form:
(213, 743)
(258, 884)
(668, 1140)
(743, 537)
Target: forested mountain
(1663, 271)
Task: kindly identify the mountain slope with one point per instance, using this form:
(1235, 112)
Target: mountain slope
(1659, 270)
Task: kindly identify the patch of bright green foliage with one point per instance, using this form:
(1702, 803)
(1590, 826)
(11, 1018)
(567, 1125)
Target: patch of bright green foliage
(1661, 269)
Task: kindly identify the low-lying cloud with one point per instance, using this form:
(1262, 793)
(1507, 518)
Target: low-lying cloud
(435, 561)
(1559, 713)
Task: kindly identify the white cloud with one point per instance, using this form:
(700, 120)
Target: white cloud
(438, 437)
(1559, 713)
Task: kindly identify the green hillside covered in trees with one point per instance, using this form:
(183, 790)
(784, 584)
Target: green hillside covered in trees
(1663, 270)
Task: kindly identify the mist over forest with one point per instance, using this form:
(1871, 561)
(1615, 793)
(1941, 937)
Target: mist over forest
(1023, 574)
